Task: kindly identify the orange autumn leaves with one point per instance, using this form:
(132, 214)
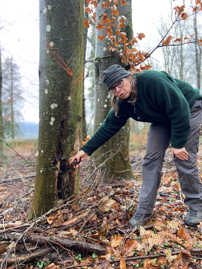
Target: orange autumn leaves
(165, 234)
(112, 27)
(118, 39)
(167, 41)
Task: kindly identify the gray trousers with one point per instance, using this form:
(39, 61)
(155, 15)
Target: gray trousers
(157, 143)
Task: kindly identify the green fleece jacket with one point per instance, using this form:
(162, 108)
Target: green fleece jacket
(160, 100)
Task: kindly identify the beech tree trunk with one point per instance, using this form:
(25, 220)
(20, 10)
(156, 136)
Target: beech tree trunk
(61, 82)
(117, 148)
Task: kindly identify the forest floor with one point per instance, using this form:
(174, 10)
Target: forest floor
(93, 231)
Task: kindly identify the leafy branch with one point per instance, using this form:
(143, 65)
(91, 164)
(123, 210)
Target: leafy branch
(113, 27)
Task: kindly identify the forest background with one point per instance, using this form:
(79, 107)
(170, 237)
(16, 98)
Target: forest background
(20, 41)
(83, 103)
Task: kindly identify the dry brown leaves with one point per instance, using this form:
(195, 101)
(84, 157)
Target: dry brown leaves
(101, 219)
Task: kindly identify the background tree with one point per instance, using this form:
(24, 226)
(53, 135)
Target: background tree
(1, 113)
(90, 103)
(84, 124)
(12, 96)
(61, 81)
(118, 166)
(182, 58)
(198, 50)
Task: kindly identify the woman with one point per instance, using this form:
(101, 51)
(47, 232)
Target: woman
(174, 109)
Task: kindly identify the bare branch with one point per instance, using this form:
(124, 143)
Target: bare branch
(179, 44)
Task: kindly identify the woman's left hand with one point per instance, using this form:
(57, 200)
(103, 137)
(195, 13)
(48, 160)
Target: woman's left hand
(181, 153)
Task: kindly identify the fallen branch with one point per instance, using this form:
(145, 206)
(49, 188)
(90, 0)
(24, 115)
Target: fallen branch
(75, 220)
(25, 258)
(13, 229)
(8, 225)
(18, 154)
(31, 225)
(192, 253)
(87, 220)
(5, 180)
(13, 246)
(197, 253)
(72, 244)
(36, 221)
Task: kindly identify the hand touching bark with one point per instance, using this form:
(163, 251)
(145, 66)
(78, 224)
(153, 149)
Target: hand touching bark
(78, 158)
(180, 153)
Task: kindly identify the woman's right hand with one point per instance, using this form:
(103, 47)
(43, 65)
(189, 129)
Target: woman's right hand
(78, 158)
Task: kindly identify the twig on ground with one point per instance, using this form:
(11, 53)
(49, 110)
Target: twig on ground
(25, 258)
(18, 154)
(128, 259)
(4, 180)
(72, 244)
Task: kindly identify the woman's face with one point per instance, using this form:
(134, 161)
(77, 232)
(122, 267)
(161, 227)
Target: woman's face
(122, 88)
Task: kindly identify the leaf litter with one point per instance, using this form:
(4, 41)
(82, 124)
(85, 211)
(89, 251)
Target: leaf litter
(93, 231)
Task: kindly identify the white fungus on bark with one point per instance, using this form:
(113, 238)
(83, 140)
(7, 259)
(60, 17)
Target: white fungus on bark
(47, 82)
(44, 10)
(52, 120)
(53, 106)
(51, 44)
(48, 28)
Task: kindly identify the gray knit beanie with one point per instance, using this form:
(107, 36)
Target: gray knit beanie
(113, 74)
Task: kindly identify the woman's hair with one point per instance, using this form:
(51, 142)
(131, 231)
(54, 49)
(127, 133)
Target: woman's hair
(131, 99)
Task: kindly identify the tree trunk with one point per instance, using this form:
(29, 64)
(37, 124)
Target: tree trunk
(1, 115)
(12, 100)
(84, 127)
(11, 96)
(117, 148)
(90, 91)
(181, 48)
(61, 52)
(181, 54)
(198, 52)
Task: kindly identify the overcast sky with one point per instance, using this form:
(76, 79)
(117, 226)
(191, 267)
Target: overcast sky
(20, 39)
